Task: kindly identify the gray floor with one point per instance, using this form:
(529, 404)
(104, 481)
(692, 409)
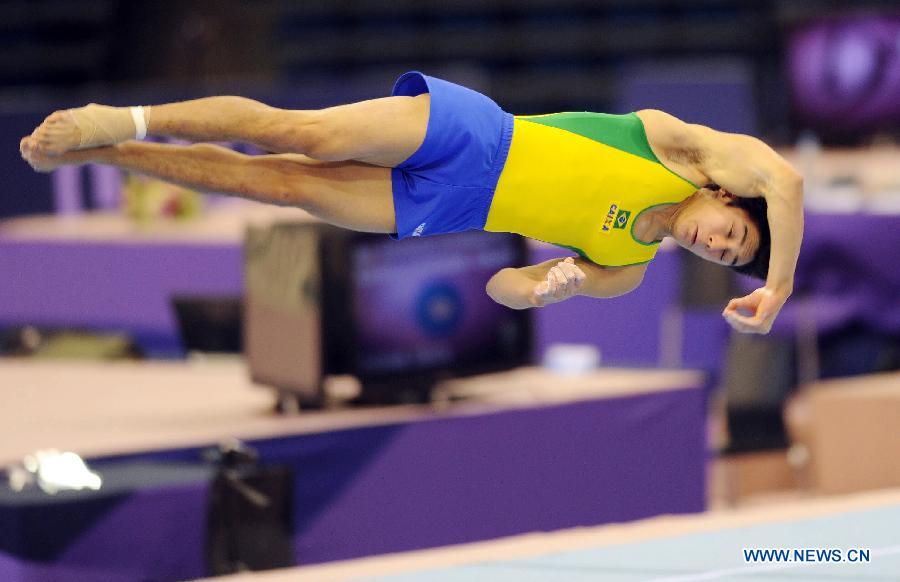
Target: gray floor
(709, 556)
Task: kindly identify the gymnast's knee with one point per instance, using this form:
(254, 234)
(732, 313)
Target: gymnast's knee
(292, 190)
(325, 136)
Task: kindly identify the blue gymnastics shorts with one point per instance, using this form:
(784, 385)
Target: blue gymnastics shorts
(448, 183)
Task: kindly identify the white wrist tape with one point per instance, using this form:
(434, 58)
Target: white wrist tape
(140, 122)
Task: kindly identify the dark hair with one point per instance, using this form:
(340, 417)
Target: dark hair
(756, 208)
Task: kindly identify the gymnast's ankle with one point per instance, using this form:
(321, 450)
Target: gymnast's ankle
(101, 125)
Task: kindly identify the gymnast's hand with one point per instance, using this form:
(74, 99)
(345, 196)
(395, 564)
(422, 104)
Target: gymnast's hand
(756, 312)
(563, 281)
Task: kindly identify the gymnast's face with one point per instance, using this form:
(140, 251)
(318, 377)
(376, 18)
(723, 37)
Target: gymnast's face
(713, 230)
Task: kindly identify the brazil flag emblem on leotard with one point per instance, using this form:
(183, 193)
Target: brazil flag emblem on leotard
(622, 219)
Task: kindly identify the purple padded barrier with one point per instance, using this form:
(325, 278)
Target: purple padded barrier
(152, 529)
(446, 479)
(106, 286)
(461, 479)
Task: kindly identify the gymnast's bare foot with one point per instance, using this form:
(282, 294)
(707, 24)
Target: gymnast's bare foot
(86, 127)
(43, 162)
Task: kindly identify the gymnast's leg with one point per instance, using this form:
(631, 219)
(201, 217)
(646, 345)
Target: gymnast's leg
(381, 132)
(349, 194)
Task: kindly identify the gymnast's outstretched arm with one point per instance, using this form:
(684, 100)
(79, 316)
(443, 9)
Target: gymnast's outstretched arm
(560, 279)
(748, 167)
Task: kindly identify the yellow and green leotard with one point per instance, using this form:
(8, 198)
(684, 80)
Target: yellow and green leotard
(580, 180)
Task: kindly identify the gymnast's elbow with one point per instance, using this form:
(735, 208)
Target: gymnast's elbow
(512, 288)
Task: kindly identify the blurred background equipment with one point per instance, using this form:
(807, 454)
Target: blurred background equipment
(249, 524)
(30, 341)
(53, 471)
(210, 324)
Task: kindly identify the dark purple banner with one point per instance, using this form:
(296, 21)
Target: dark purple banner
(845, 72)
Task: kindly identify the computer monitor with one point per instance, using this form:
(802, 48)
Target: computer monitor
(398, 315)
(420, 311)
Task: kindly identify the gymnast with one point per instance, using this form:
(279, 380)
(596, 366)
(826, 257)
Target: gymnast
(436, 157)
